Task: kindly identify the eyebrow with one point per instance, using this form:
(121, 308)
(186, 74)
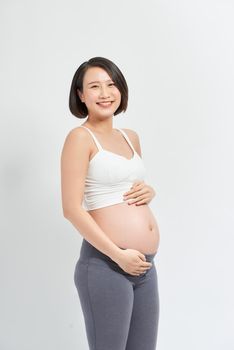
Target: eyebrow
(98, 81)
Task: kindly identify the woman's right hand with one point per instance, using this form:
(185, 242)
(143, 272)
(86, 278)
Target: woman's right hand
(133, 262)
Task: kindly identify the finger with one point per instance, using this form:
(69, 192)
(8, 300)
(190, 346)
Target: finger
(135, 192)
(138, 196)
(138, 199)
(147, 264)
(142, 202)
(138, 189)
(137, 185)
(140, 272)
(142, 258)
(144, 269)
(138, 182)
(132, 189)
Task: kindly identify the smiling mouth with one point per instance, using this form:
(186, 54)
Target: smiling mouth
(105, 104)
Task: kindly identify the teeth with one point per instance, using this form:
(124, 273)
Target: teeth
(104, 103)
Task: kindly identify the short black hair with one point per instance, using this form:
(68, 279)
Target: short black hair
(77, 107)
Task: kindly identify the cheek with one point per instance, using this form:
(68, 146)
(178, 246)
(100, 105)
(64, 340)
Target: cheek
(92, 97)
(117, 94)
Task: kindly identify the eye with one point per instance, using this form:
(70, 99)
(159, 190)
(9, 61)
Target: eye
(111, 84)
(93, 86)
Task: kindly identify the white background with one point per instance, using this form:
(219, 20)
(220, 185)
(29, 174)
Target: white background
(177, 57)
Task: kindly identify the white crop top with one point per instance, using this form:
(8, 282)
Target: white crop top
(110, 175)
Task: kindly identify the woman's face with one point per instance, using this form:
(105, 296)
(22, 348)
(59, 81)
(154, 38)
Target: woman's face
(100, 94)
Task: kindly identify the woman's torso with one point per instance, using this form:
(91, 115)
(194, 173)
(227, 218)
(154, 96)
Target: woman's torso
(128, 226)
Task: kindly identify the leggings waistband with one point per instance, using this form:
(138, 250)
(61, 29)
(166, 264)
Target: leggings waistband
(88, 250)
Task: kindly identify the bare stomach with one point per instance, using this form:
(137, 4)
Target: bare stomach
(129, 226)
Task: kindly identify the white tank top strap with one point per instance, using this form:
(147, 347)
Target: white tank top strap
(127, 138)
(93, 136)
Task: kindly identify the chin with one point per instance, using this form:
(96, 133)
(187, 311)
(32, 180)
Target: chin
(105, 114)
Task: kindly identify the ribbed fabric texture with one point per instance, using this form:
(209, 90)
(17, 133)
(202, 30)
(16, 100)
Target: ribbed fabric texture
(110, 175)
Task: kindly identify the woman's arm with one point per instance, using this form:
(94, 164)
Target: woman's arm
(74, 166)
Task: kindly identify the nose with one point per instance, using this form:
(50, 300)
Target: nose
(104, 92)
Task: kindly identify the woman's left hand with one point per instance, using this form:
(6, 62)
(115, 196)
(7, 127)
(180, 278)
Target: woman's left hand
(139, 193)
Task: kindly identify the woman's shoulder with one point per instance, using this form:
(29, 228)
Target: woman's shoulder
(78, 137)
(132, 134)
(78, 131)
(134, 138)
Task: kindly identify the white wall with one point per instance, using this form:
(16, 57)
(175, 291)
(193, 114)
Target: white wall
(177, 57)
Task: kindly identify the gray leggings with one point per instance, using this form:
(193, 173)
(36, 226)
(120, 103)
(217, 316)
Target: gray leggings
(121, 311)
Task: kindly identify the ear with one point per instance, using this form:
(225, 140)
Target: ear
(80, 95)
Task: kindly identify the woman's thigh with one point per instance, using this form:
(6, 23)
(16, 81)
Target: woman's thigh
(145, 313)
(106, 298)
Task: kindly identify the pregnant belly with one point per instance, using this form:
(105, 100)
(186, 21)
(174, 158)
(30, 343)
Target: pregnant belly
(129, 226)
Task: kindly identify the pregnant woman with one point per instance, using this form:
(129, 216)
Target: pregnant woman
(105, 197)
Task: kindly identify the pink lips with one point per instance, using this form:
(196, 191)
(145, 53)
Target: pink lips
(105, 104)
